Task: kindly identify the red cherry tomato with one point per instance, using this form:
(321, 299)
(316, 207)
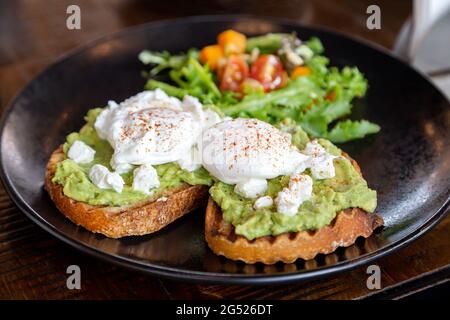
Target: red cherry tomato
(268, 70)
(233, 73)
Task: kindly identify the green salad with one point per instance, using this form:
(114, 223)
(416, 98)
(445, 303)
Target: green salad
(272, 78)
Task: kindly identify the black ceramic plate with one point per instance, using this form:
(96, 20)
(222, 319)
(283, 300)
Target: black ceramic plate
(408, 162)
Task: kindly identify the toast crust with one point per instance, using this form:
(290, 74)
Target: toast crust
(140, 218)
(343, 231)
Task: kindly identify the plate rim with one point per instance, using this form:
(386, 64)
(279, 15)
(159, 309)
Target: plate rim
(205, 276)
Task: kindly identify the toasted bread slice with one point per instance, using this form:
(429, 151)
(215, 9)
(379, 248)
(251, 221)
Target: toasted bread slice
(343, 231)
(137, 219)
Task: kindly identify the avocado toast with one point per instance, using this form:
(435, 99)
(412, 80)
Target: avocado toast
(138, 218)
(263, 216)
(120, 202)
(344, 229)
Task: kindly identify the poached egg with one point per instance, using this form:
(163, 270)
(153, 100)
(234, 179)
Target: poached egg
(247, 152)
(152, 128)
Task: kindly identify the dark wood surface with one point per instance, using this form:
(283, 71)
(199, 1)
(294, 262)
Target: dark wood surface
(33, 263)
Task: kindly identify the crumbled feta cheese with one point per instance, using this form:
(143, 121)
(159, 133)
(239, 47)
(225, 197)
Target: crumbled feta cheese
(289, 199)
(104, 179)
(251, 188)
(80, 152)
(320, 162)
(120, 168)
(263, 202)
(145, 178)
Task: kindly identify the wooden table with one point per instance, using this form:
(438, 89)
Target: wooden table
(33, 263)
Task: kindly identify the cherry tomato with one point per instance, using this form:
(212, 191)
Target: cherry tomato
(268, 70)
(233, 73)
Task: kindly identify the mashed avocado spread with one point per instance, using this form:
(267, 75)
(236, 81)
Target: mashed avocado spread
(346, 190)
(76, 184)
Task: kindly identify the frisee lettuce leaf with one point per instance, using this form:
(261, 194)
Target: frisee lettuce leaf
(162, 60)
(190, 77)
(349, 130)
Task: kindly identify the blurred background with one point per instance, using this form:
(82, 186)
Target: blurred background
(33, 32)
